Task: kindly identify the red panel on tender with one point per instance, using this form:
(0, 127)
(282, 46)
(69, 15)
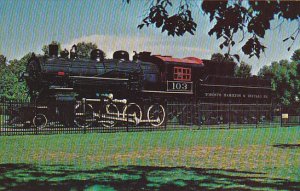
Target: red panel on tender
(187, 60)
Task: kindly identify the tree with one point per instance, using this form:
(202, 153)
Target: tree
(10, 87)
(2, 74)
(220, 57)
(285, 81)
(243, 70)
(249, 18)
(2, 61)
(296, 55)
(84, 49)
(266, 72)
(45, 48)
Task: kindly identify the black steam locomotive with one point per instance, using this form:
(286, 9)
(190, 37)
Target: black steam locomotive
(107, 91)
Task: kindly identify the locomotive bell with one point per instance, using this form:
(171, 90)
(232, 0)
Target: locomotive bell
(97, 55)
(121, 55)
(64, 53)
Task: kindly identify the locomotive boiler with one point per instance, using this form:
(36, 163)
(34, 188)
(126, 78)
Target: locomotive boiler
(84, 91)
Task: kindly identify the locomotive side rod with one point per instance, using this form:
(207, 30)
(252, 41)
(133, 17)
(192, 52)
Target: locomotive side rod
(133, 118)
(100, 78)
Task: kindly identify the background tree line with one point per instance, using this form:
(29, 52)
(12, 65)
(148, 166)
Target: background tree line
(284, 74)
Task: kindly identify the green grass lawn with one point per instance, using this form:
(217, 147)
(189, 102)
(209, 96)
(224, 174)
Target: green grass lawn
(242, 159)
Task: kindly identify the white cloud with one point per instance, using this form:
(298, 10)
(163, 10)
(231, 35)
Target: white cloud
(163, 46)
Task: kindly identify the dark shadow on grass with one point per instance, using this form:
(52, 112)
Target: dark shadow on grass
(287, 146)
(33, 177)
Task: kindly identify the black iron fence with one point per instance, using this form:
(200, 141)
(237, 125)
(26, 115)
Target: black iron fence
(22, 117)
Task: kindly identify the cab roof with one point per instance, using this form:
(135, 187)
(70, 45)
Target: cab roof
(187, 60)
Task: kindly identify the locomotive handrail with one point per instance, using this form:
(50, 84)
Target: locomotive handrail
(166, 92)
(100, 78)
(237, 86)
(124, 101)
(237, 81)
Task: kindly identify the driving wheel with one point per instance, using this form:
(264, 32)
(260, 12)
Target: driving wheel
(84, 115)
(134, 111)
(40, 120)
(156, 115)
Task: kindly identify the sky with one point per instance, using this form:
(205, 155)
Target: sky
(27, 25)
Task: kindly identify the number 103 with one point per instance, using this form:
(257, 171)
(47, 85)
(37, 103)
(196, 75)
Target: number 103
(179, 86)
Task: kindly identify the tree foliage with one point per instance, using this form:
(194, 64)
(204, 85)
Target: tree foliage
(296, 56)
(84, 49)
(220, 58)
(45, 48)
(243, 70)
(10, 87)
(249, 18)
(2, 61)
(285, 80)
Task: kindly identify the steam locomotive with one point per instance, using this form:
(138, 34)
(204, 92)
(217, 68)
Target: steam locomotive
(83, 91)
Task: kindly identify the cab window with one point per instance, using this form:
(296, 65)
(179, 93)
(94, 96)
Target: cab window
(182, 74)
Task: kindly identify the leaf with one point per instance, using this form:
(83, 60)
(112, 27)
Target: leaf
(227, 32)
(191, 32)
(285, 39)
(237, 57)
(163, 28)
(140, 26)
(159, 22)
(221, 46)
(257, 54)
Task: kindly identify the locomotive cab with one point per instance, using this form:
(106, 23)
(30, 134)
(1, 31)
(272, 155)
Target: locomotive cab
(178, 74)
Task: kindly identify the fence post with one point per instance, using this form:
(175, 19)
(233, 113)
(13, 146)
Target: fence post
(271, 109)
(167, 114)
(84, 113)
(229, 115)
(2, 119)
(2, 110)
(257, 116)
(281, 123)
(35, 112)
(199, 110)
(127, 125)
